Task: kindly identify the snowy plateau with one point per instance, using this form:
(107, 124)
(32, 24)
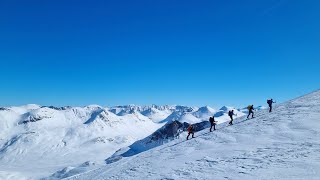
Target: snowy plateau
(149, 142)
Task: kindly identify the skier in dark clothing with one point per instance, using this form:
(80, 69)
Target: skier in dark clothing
(213, 123)
(190, 131)
(270, 102)
(250, 108)
(231, 113)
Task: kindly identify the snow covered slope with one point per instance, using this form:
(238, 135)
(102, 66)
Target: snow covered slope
(58, 137)
(176, 123)
(284, 144)
(37, 141)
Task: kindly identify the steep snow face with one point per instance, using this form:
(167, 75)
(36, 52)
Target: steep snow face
(283, 144)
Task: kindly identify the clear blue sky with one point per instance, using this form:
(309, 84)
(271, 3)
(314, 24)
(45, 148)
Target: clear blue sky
(197, 52)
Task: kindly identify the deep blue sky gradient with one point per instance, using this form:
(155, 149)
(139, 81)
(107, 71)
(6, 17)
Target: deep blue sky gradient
(158, 52)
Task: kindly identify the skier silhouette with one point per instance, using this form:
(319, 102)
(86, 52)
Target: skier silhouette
(190, 131)
(250, 108)
(270, 102)
(231, 113)
(212, 123)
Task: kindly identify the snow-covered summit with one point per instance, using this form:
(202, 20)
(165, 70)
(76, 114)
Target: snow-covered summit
(204, 112)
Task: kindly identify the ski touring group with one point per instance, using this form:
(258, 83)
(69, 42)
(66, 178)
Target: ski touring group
(213, 123)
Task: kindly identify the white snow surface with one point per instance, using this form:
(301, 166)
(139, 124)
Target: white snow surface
(284, 144)
(57, 142)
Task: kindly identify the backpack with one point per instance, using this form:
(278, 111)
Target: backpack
(189, 129)
(230, 113)
(249, 107)
(269, 101)
(211, 119)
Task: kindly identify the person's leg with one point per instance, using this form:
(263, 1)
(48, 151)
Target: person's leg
(214, 127)
(248, 115)
(252, 114)
(188, 135)
(211, 128)
(270, 108)
(192, 134)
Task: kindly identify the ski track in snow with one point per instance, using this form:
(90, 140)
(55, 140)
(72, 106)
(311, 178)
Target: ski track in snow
(284, 144)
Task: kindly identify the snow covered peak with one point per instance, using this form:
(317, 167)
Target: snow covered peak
(206, 109)
(124, 110)
(150, 111)
(204, 112)
(226, 108)
(102, 119)
(93, 107)
(24, 109)
(184, 109)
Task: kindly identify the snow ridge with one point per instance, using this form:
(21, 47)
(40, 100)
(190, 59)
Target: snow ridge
(283, 144)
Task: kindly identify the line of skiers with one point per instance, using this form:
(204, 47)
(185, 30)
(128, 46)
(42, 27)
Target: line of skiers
(231, 114)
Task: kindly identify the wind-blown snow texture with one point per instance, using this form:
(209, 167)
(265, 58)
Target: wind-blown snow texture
(59, 142)
(284, 144)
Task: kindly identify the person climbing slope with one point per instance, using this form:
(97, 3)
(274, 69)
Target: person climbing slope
(250, 108)
(270, 102)
(212, 123)
(190, 131)
(231, 113)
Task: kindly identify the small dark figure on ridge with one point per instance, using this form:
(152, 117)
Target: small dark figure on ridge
(270, 102)
(212, 123)
(231, 113)
(250, 108)
(190, 131)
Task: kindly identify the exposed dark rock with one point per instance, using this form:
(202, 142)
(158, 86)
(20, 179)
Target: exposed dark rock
(57, 108)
